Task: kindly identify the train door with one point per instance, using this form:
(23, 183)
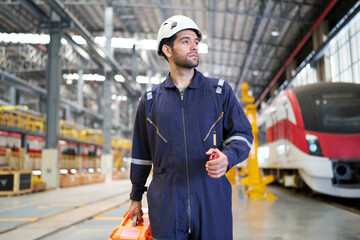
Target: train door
(274, 138)
(287, 131)
(280, 125)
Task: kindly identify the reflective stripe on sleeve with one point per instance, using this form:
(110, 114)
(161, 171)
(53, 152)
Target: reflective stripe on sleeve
(141, 162)
(227, 141)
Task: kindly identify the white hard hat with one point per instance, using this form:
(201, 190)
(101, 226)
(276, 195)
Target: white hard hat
(173, 25)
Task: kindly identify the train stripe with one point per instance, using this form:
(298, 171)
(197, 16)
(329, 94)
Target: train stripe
(285, 129)
(332, 145)
(339, 146)
(296, 108)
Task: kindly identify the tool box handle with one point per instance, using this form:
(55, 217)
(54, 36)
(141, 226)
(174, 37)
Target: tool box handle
(134, 222)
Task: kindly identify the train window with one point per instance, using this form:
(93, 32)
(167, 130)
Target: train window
(287, 124)
(275, 134)
(333, 112)
(262, 134)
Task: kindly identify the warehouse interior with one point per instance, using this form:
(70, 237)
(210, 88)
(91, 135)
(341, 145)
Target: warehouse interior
(245, 41)
(75, 70)
(72, 73)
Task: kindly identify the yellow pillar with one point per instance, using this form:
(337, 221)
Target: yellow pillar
(231, 176)
(254, 181)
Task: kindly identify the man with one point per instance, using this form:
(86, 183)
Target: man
(189, 196)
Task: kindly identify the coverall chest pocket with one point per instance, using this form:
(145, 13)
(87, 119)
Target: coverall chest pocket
(213, 126)
(153, 125)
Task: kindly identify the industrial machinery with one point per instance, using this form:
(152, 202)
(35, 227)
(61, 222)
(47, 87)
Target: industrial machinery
(311, 134)
(254, 182)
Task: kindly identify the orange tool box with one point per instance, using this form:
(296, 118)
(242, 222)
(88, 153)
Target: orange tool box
(128, 230)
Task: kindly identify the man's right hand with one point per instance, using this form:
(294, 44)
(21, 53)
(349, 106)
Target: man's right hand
(135, 209)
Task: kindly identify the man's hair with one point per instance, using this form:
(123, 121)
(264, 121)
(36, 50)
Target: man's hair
(168, 41)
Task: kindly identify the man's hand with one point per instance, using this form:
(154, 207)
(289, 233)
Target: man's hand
(135, 209)
(217, 168)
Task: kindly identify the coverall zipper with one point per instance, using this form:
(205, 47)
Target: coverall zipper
(186, 158)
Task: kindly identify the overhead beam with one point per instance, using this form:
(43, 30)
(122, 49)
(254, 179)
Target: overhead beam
(247, 54)
(190, 8)
(24, 86)
(130, 85)
(263, 44)
(257, 33)
(33, 8)
(296, 51)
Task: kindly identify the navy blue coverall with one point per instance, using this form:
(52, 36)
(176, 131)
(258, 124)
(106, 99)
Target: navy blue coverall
(172, 134)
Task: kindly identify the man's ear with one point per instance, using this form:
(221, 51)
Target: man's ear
(166, 50)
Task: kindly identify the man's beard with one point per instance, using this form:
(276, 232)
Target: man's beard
(184, 62)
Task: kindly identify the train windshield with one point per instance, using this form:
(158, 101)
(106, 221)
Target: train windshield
(332, 112)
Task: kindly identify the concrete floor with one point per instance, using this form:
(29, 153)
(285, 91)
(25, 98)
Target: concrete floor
(92, 212)
(292, 216)
(37, 215)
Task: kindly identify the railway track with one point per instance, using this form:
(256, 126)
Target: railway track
(349, 204)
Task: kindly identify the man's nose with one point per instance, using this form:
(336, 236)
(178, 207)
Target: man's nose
(194, 46)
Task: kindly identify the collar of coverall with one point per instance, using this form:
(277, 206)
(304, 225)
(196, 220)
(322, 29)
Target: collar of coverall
(195, 83)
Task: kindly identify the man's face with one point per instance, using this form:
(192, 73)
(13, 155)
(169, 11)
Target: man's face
(185, 51)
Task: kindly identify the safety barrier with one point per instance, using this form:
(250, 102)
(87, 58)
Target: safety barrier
(10, 117)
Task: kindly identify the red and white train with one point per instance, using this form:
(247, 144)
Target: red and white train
(313, 133)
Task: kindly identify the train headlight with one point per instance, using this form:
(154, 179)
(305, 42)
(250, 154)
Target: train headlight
(313, 144)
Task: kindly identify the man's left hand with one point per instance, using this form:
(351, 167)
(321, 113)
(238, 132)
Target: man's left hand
(217, 168)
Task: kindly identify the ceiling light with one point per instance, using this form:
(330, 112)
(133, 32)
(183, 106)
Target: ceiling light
(155, 80)
(275, 32)
(119, 78)
(255, 73)
(25, 38)
(142, 79)
(122, 98)
(78, 39)
(203, 48)
(85, 77)
(69, 81)
(93, 77)
(144, 44)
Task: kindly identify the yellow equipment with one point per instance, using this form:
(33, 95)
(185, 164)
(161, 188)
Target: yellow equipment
(22, 118)
(254, 181)
(121, 148)
(92, 136)
(68, 130)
